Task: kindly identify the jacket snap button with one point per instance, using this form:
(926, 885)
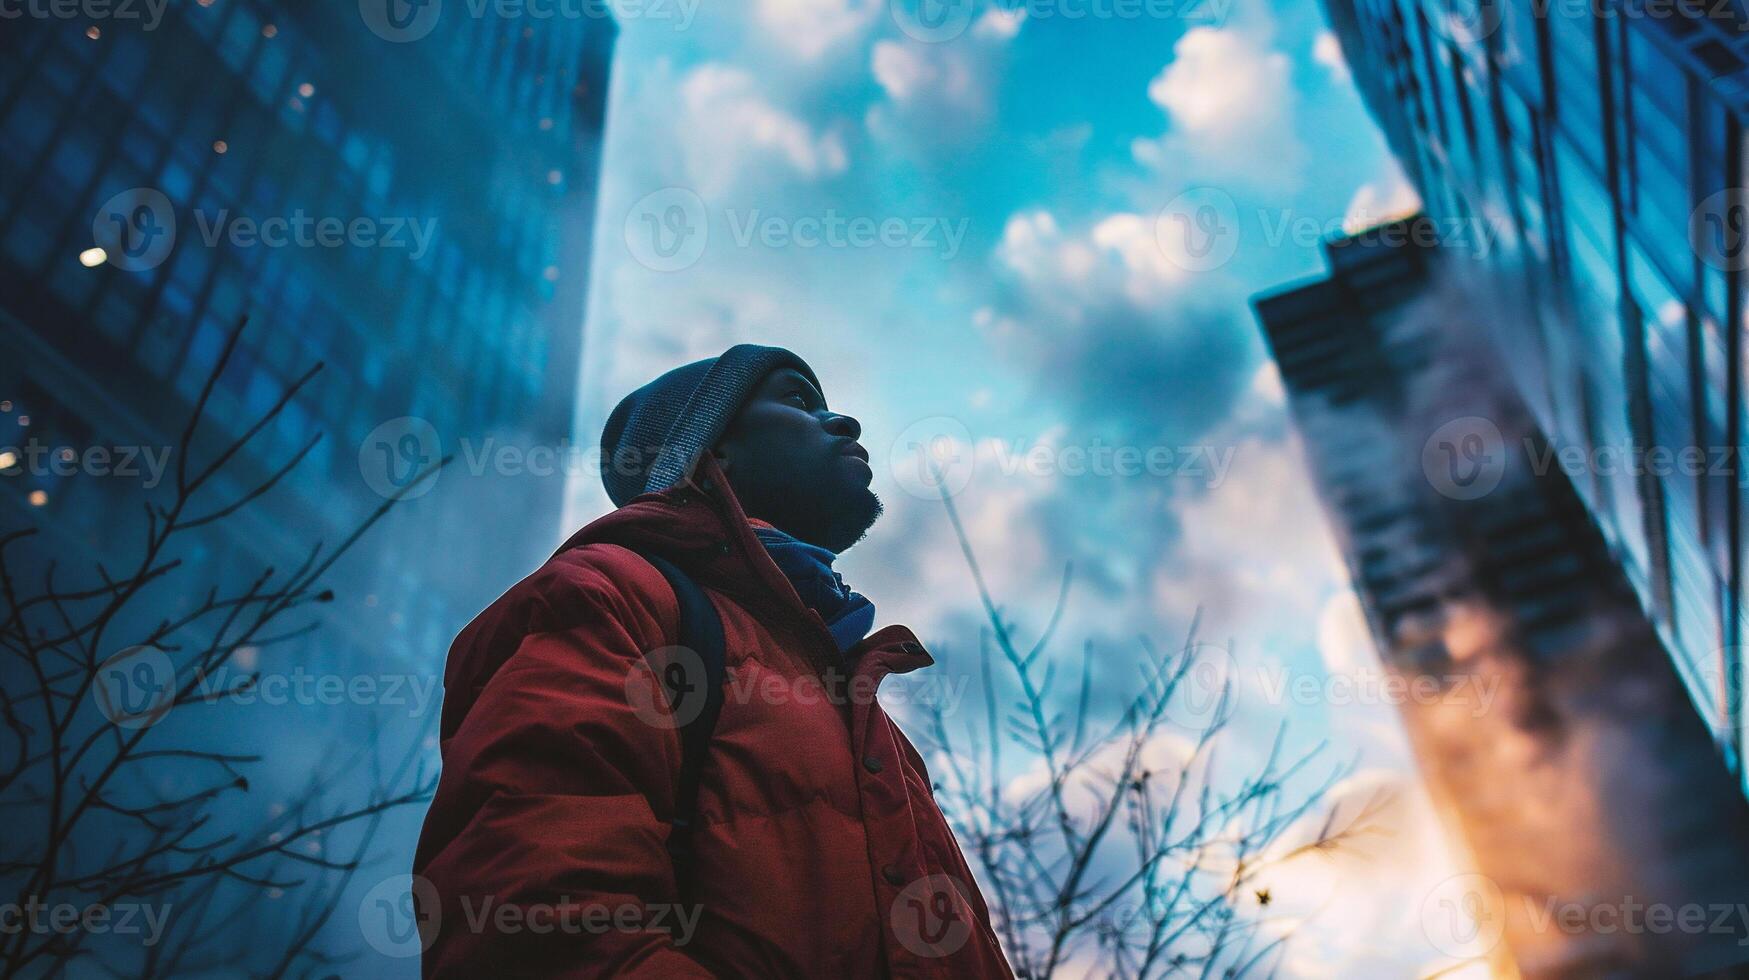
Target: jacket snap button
(872, 764)
(893, 875)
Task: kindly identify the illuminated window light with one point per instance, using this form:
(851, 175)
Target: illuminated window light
(24, 420)
(93, 257)
(552, 273)
(8, 459)
(93, 33)
(546, 124)
(554, 177)
(221, 147)
(6, 406)
(306, 90)
(38, 498)
(270, 31)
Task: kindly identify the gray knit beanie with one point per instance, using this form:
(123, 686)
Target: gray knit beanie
(654, 433)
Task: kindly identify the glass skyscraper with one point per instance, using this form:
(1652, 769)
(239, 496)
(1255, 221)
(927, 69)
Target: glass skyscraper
(1598, 147)
(1584, 776)
(401, 192)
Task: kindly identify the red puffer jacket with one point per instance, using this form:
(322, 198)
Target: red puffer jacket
(820, 850)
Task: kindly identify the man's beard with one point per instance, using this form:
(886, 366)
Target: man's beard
(855, 514)
(833, 520)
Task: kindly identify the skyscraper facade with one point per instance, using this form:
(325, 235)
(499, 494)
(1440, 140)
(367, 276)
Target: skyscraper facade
(1554, 732)
(1597, 147)
(401, 192)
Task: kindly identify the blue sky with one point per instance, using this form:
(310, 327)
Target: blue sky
(1045, 283)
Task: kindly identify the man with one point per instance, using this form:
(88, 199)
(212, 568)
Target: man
(816, 848)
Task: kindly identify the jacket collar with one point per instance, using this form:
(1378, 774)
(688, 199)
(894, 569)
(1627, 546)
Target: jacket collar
(699, 525)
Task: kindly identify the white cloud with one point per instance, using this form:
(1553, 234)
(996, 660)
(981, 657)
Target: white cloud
(1266, 385)
(1327, 51)
(1379, 201)
(1118, 255)
(901, 69)
(1339, 903)
(1228, 99)
(810, 28)
(1219, 82)
(999, 25)
(1344, 641)
(1256, 554)
(937, 94)
(726, 124)
(1149, 273)
(1164, 754)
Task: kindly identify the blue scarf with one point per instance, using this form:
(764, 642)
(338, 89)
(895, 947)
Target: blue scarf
(808, 567)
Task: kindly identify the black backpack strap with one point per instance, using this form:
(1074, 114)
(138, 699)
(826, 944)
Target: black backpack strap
(701, 631)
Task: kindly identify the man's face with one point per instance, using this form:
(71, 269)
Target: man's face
(797, 465)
